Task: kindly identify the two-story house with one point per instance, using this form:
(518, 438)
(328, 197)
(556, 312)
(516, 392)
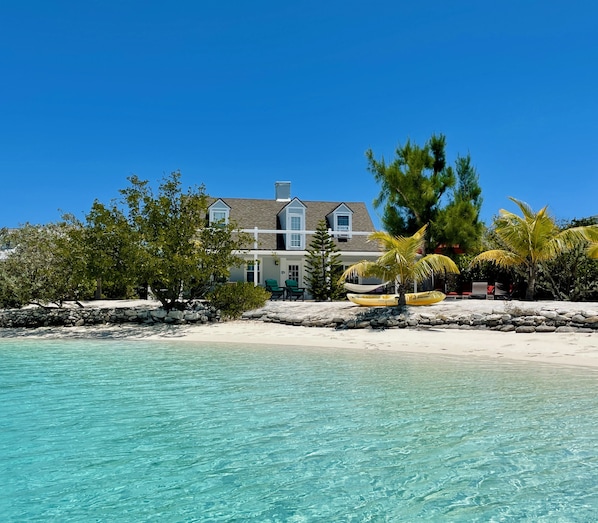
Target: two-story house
(282, 230)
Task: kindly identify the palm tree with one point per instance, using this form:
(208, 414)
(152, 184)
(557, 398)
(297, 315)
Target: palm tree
(531, 239)
(402, 261)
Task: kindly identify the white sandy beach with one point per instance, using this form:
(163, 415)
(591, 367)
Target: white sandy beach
(566, 348)
(579, 349)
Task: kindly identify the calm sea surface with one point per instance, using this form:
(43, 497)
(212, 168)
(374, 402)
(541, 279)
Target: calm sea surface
(150, 431)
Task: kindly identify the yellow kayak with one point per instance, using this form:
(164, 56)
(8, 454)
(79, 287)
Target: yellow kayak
(390, 300)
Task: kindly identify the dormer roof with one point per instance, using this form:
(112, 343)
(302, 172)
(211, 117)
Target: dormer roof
(248, 213)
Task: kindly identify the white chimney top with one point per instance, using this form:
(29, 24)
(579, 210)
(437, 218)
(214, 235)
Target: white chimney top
(283, 191)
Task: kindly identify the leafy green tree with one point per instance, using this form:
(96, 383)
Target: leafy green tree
(216, 247)
(113, 251)
(530, 240)
(415, 187)
(179, 255)
(8, 294)
(46, 265)
(323, 266)
(571, 275)
(402, 262)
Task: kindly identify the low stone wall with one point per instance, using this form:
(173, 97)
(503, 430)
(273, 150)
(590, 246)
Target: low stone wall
(521, 321)
(77, 317)
(339, 315)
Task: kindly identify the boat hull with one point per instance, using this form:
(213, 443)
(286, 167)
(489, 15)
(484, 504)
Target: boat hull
(390, 300)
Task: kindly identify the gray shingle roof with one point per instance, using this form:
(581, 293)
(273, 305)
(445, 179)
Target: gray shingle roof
(248, 213)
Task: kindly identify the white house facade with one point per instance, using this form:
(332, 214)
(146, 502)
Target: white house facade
(283, 228)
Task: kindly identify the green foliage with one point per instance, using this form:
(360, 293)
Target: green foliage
(47, 265)
(113, 252)
(9, 297)
(470, 272)
(323, 266)
(233, 299)
(571, 275)
(458, 223)
(414, 190)
(162, 241)
(216, 247)
(412, 185)
(179, 255)
(402, 261)
(528, 242)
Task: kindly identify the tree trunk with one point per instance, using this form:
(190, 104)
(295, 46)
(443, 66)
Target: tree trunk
(98, 293)
(401, 302)
(530, 292)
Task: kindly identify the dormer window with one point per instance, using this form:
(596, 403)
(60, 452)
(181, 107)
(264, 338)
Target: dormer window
(343, 224)
(341, 220)
(292, 220)
(219, 213)
(296, 237)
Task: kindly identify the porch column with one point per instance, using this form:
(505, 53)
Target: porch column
(255, 260)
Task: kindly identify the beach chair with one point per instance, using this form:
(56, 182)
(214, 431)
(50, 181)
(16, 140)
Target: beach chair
(275, 291)
(293, 290)
(502, 292)
(479, 290)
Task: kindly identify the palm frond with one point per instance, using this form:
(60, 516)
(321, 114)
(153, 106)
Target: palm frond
(432, 264)
(525, 209)
(591, 233)
(361, 268)
(401, 259)
(440, 263)
(500, 257)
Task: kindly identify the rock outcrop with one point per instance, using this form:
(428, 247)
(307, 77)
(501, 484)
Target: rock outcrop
(93, 315)
(517, 317)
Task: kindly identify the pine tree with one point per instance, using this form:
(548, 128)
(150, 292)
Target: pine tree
(323, 266)
(419, 188)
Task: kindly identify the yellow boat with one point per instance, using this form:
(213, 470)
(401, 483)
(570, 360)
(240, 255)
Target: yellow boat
(390, 300)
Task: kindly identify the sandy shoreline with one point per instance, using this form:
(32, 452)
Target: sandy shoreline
(579, 349)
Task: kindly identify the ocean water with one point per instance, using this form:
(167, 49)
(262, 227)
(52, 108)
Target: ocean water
(150, 431)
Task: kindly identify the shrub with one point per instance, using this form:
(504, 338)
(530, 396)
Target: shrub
(8, 297)
(233, 299)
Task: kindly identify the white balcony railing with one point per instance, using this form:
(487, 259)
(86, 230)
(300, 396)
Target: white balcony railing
(343, 232)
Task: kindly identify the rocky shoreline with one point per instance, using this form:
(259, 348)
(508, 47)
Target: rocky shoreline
(99, 314)
(505, 316)
(519, 317)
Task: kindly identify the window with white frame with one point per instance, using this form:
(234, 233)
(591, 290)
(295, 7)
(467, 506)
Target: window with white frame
(250, 272)
(219, 213)
(343, 226)
(296, 237)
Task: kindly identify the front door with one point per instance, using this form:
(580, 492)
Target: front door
(294, 273)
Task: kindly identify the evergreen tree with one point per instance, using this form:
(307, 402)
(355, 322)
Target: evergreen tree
(323, 266)
(458, 223)
(419, 188)
(412, 186)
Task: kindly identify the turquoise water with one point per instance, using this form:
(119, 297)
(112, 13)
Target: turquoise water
(141, 431)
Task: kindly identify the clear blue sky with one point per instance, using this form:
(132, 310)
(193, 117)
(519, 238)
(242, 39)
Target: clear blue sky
(239, 94)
